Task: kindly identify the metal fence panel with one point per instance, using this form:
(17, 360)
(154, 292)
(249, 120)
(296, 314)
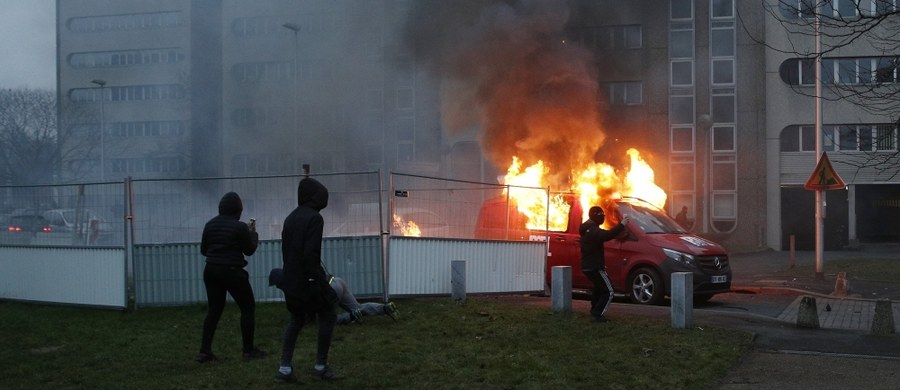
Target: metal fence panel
(421, 266)
(172, 274)
(80, 276)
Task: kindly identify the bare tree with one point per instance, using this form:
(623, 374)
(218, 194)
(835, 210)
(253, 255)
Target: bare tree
(870, 83)
(32, 148)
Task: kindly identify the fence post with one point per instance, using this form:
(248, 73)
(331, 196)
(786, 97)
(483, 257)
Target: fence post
(561, 289)
(458, 281)
(682, 300)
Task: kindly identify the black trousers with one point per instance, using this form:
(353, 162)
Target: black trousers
(221, 280)
(602, 294)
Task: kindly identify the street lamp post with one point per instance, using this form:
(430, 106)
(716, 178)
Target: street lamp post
(705, 122)
(296, 29)
(102, 83)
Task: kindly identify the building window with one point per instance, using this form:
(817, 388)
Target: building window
(682, 9)
(682, 73)
(681, 110)
(723, 107)
(682, 44)
(108, 59)
(723, 72)
(723, 139)
(625, 93)
(143, 21)
(682, 139)
(722, 8)
(885, 137)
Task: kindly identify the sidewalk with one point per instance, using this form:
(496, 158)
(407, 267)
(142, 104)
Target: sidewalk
(842, 354)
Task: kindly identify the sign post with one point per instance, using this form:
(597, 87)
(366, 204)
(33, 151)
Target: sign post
(823, 178)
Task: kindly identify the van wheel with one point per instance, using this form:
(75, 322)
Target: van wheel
(646, 287)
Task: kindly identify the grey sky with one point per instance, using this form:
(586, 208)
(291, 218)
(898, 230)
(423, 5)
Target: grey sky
(28, 44)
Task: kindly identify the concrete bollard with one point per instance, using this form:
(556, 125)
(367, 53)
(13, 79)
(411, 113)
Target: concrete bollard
(561, 289)
(807, 313)
(682, 300)
(458, 281)
(883, 322)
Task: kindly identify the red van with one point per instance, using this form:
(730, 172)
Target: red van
(640, 262)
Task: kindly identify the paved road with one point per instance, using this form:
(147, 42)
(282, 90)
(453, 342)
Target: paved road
(841, 354)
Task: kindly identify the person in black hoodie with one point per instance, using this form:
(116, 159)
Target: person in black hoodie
(304, 281)
(225, 242)
(593, 264)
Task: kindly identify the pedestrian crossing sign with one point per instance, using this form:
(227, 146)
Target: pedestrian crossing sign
(824, 177)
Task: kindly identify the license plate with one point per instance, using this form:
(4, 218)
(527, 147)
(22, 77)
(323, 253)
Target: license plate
(719, 278)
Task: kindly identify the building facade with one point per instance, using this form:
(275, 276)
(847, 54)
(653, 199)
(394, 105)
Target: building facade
(188, 89)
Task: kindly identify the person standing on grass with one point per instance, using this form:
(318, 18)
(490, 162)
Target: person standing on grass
(593, 264)
(305, 282)
(225, 242)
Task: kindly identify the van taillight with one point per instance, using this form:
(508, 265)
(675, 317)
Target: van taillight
(15, 228)
(47, 229)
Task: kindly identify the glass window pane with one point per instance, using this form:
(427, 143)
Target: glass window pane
(865, 138)
(828, 71)
(723, 177)
(722, 8)
(633, 38)
(865, 70)
(847, 138)
(847, 71)
(808, 138)
(682, 44)
(808, 72)
(683, 139)
(790, 139)
(723, 71)
(633, 93)
(722, 42)
(724, 205)
(886, 137)
(682, 110)
(682, 73)
(682, 9)
(723, 108)
(847, 8)
(828, 139)
(682, 177)
(723, 138)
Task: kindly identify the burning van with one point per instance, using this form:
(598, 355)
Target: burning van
(639, 262)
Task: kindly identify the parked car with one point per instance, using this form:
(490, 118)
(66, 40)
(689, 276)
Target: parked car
(639, 262)
(86, 227)
(21, 228)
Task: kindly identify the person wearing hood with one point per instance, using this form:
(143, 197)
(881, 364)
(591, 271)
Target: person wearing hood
(593, 264)
(225, 242)
(304, 280)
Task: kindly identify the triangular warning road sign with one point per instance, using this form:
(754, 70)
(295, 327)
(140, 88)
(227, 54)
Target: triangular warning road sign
(824, 177)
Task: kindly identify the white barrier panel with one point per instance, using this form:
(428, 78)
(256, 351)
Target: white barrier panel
(81, 276)
(421, 266)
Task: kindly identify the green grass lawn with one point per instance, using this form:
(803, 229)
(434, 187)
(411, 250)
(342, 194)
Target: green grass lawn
(436, 344)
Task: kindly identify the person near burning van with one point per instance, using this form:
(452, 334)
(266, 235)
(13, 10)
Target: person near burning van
(225, 242)
(593, 264)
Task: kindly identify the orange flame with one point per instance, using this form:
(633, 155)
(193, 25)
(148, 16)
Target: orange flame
(591, 184)
(407, 228)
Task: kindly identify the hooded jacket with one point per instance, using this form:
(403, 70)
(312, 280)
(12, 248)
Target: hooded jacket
(301, 239)
(592, 239)
(225, 238)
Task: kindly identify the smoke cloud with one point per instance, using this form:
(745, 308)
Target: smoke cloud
(507, 71)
